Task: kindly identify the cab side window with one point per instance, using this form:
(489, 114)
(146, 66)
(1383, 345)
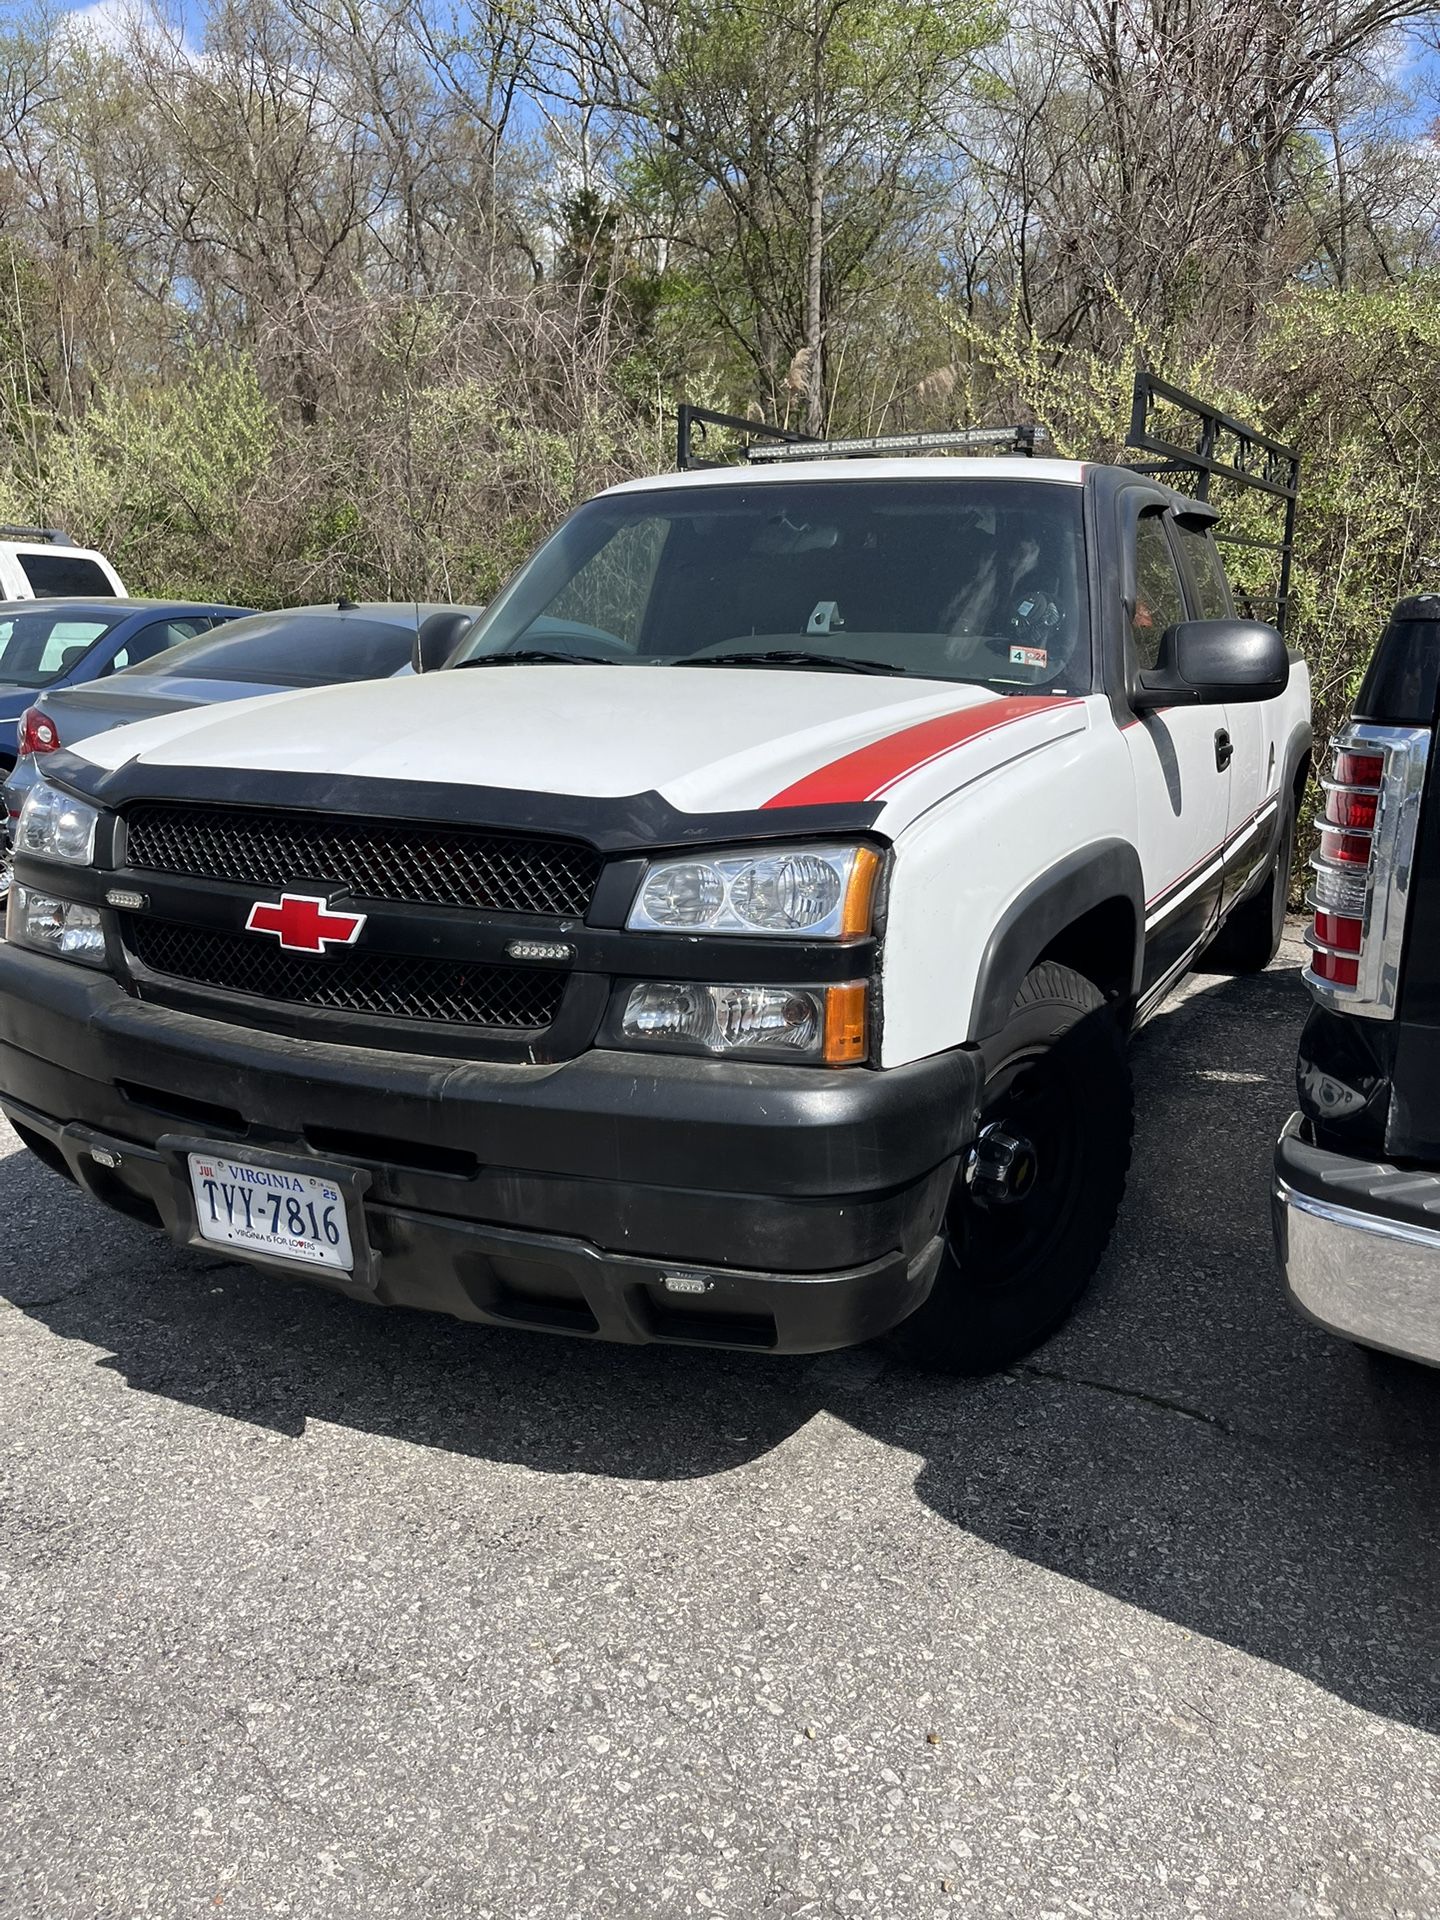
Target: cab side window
(1159, 597)
(155, 639)
(1207, 574)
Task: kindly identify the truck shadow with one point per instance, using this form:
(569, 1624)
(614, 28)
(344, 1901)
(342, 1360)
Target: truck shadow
(1186, 1445)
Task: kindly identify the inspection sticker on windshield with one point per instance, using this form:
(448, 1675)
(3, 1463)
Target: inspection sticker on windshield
(259, 1209)
(1029, 657)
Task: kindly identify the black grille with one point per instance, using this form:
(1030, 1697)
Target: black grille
(393, 986)
(398, 860)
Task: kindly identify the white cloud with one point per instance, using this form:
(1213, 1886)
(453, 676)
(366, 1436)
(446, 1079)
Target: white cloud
(114, 25)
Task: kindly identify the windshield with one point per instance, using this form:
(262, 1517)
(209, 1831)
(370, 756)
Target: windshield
(970, 579)
(36, 648)
(288, 650)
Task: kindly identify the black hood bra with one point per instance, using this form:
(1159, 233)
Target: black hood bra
(626, 823)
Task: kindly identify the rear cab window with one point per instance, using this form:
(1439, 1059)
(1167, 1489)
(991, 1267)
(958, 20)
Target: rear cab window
(59, 575)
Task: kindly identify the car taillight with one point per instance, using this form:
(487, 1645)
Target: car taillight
(1373, 790)
(37, 733)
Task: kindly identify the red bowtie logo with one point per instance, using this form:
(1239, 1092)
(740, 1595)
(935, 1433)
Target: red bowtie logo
(303, 923)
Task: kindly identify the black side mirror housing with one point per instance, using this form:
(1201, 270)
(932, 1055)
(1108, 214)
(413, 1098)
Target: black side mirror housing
(1210, 661)
(437, 637)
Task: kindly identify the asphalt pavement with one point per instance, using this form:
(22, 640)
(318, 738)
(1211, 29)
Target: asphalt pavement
(312, 1610)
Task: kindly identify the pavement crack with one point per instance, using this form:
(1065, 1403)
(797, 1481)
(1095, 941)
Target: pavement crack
(1157, 1400)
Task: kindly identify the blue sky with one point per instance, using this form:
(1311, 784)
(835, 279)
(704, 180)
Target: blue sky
(1417, 67)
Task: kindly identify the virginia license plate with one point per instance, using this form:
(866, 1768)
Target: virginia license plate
(258, 1209)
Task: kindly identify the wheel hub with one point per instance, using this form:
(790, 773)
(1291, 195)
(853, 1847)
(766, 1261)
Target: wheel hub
(1002, 1167)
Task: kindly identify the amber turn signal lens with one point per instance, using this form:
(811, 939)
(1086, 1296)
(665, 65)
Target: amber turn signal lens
(846, 1036)
(859, 905)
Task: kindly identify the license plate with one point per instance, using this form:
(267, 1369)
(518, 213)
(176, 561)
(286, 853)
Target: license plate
(258, 1209)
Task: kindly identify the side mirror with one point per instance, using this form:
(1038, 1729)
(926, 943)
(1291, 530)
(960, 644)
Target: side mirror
(437, 638)
(1205, 661)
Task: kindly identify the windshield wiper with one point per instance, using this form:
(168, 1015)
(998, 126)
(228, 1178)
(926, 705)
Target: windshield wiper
(788, 657)
(536, 657)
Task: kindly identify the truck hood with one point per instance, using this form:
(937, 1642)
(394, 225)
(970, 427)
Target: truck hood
(707, 740)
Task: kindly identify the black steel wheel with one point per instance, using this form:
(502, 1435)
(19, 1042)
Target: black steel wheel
(1035, 1202)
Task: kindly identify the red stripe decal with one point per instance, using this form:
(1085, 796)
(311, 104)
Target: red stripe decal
(868, 771)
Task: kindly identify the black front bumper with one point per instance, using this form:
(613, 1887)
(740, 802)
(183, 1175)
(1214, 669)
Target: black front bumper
(797, 1209)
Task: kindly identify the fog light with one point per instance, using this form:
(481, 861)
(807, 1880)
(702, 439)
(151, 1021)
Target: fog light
(56, 926)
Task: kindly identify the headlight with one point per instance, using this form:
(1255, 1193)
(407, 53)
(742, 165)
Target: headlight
(820, 1024)
(52, 826)
(814, 892)
(55, 926)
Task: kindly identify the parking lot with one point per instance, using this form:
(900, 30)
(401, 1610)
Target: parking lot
(311, 1610)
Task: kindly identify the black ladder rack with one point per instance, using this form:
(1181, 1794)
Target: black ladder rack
(688, 419)
(1225, 447)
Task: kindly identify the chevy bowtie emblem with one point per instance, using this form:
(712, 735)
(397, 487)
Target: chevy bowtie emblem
(303, 923)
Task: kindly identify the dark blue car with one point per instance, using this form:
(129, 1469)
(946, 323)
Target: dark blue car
(63, 643)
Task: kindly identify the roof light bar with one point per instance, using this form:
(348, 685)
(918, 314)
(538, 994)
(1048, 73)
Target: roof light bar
(693, 425)
(1017, 439)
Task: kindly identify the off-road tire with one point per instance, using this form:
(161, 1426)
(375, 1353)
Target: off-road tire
(1056, 1075)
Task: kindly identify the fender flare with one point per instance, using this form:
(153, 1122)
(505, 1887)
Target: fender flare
(1298, 749)
(1090, 877)
(1300, 744)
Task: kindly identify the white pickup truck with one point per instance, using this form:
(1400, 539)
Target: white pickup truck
(731, 937)
(42, 563)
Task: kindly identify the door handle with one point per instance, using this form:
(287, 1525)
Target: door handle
(1224, 750)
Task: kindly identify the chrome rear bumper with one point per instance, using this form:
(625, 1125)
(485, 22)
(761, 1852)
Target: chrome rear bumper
(1365, 1275)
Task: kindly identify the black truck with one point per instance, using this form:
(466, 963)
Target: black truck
(1357, 1168)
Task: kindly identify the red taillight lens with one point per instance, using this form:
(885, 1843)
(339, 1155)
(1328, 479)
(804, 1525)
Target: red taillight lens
(1348, 807)
(1358, 769)
(1353, 849)
(1338, 968)
(1343, 865)
(1374, 792)
(38, 733)
(1339, 930)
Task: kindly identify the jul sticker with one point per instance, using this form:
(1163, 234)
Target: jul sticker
(1029, 657)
